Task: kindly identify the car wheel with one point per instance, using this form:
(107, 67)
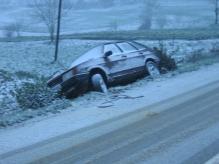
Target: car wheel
(98, 83)
(152, 69)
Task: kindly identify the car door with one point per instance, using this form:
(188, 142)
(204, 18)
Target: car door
(134, 58)
(116, 63)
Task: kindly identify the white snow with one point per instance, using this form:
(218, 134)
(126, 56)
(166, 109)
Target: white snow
(184, 48)
(214, 160)
(83, 114)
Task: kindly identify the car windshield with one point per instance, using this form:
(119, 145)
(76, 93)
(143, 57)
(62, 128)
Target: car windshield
(112, 47)
(91, 54)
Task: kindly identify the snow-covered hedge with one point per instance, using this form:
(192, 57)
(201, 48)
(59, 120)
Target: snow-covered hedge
(182, 50)
(24, 95)
(35, 95)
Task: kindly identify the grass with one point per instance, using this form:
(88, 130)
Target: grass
(165, 34)
(25, 75)
(5, 75)
(198, 63)
(188, 34)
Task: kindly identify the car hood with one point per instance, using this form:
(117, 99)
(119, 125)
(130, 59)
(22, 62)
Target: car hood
(76, 63)
(80, 61)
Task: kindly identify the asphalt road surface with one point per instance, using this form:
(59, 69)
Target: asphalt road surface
(187, 133)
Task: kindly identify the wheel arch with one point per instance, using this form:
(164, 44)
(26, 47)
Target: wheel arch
(98, 70)
(150, 59)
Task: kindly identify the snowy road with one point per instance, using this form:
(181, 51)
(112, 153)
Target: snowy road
(186, 132)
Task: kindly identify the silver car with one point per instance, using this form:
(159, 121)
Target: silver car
(106, 65)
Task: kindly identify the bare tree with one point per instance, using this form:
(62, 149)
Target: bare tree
(106, 3)
(47, 12)
(17, 25)
(216, 10)
(113, 25)
(148, 13)
(8, 31)
(162, 21)
(13, 29)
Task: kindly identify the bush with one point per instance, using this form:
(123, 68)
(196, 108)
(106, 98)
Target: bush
(5, 76)
(167, 63)
(195, 57)
(113, 26)
(25, 75)
(34, 96)
(12, 30)
(200, 55)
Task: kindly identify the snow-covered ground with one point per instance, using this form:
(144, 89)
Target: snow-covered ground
(27, 61)
(88, 110)
(214, 160)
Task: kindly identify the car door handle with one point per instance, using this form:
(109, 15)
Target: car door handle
(124, 56)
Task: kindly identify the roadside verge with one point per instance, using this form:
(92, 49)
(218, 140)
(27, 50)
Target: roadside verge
(58, 144)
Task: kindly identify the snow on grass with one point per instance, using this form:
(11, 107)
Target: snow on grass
(214, 160)
(24, 96)
(36, 57)
(182, 49)
(31, 60)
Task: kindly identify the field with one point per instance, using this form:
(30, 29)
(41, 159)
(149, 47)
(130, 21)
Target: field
(165, 34)
(179, 14)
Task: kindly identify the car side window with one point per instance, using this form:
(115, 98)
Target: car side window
(126, 47)
(113, 48)
(138, 46)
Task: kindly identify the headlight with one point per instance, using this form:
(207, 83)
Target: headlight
(67, 76)
(57, 88)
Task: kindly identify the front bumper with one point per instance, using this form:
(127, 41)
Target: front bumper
(74, 85)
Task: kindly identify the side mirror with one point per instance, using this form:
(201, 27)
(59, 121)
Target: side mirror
(108, 53)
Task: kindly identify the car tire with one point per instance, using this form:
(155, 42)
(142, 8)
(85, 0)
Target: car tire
(152, 69)
(99, 83)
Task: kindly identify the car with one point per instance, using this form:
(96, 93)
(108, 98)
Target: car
(107, 65)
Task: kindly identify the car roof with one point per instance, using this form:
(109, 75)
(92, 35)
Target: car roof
(126, 41)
